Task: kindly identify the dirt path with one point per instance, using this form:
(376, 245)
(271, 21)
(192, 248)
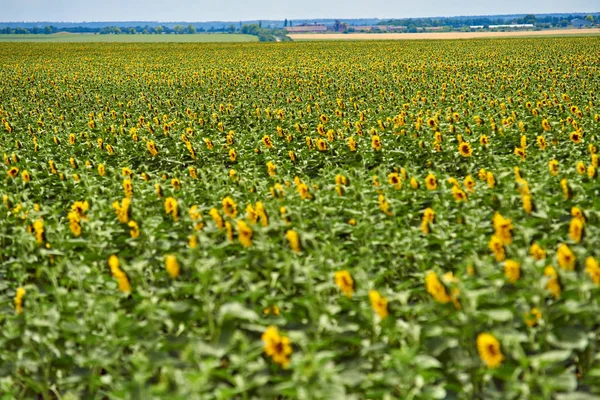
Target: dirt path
(438, 35)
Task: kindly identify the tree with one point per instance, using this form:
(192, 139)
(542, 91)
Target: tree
(250, 29)
(529, 19)
(260, 24)
(131, 31)
(159, 29)
(285, 23)
(231, 28)
(190, 29)
(47, 30)
(178, 29)
(590, 18)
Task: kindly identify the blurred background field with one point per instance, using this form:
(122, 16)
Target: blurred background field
(140, 38)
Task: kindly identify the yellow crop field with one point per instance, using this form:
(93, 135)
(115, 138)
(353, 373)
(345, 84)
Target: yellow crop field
(320, 220)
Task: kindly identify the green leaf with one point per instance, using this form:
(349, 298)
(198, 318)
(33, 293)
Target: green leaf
(551, 357)
(236, 311)
(575, 396)
(500, 315)
(568, 338)
(426, 362)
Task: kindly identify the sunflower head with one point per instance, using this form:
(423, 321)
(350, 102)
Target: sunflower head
(512, 270)
(565, 257)
(244, 233)
(229, 207)
(431, 182)
(575, 137)
(465, 149)
(13, 172)
(489, 350)
(267, 141)
(379, 304)
(344, 282)
(376, 142)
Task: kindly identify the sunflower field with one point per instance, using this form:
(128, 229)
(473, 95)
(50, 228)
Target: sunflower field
(358, 220)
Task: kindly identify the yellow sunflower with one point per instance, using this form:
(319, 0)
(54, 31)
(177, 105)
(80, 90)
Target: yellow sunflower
(489, 350)
(344, 282)
(465, 149)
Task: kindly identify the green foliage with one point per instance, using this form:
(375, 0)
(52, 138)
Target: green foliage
(198, 335)
(265, 34)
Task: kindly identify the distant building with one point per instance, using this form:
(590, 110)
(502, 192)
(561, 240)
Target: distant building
(513, 26)
(397, 28)
(316, 28)
(390, 28)
(339, 26)
(580, 23)
(379, 28)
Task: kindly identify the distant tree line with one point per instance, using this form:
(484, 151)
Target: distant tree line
(546, 21)
(265, 34)
(115, 30)
(274, 32)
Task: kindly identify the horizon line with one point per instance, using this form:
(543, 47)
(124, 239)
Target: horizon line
(292, 19)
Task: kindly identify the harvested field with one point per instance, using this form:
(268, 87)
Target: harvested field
(439, 35)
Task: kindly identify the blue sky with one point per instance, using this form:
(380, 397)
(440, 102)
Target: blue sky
(236, 10)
